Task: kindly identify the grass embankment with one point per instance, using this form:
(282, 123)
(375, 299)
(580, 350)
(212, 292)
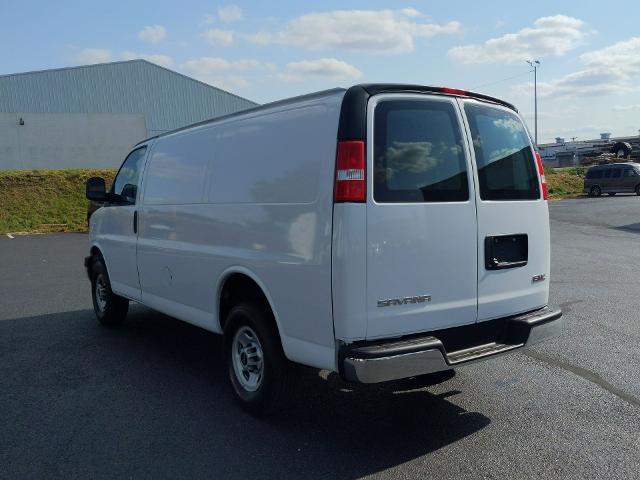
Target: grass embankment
(54, 201)
(45, 200)
(565, 182)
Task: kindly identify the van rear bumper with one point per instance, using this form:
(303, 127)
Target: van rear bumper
(381, 361)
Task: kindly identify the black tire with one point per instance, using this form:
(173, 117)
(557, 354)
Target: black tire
(110, 309)
(595, 191)
(611, 194)
(638, 190)
(275, 386)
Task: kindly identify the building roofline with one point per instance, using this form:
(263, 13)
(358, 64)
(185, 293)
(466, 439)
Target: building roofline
(135, 60)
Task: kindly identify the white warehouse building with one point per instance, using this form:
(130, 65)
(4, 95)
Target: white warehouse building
(90, 116)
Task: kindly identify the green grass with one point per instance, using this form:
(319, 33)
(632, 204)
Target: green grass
(38, 201)
(45, 200)
(565, 182)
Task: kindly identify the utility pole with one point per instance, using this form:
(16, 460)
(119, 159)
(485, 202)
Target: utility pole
(534, 64)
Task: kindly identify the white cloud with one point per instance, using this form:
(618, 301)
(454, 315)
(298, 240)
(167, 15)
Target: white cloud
(94, 55)
(607, 71)
(208, 65)
(218, 37)
(223, 73)
(622, 56)
(329, 68)
(230, 13)
(583, 83)
(230, 83)
(163, 60)
(260, 38)
(152, 34)
(371, 31)
(626, 108)
(549, 36)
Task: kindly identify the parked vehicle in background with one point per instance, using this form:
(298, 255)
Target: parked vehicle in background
(612, 178)
(381, 232)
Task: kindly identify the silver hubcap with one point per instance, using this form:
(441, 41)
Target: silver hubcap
(247, 359)
(101, 293)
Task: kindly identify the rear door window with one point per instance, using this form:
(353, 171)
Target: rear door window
(418, 153)
(504, 158)
(616, 173)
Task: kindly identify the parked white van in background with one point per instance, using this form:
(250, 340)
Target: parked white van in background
(382, 232)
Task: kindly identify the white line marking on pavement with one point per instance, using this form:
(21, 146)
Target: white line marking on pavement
(9, 235)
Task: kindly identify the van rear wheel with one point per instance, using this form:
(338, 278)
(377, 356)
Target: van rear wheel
(110, 309)
(638, 190)
(595, 191)
(260, 374)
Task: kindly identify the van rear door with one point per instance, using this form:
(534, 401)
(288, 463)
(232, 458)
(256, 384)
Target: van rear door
(513, 217)
(421, 217)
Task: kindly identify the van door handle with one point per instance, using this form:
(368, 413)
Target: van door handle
(496, 265)
(135, 221)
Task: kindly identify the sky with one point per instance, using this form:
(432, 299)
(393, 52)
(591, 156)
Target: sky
(589, 52)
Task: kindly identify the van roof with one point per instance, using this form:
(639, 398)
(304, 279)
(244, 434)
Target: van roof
(353, 104)
(614, 164)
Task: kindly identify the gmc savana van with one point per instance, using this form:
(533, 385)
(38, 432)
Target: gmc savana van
(381, 232)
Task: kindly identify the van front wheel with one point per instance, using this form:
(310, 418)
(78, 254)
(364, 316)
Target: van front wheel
(260, 374)
(110, 309)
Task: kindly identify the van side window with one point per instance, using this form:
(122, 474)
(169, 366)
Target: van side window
(616, 173)
(597, 173)
(128, 177)
(630, 172)
(504, 157)
(418, 153)
(607, 173)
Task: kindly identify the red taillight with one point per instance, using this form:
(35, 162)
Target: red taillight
(454, 91)
(351, 184)
(543, 181)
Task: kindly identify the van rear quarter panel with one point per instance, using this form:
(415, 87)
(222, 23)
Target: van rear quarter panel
(259, 201)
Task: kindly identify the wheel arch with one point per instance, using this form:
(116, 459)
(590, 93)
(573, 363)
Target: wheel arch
(95, 252)
(234, 278)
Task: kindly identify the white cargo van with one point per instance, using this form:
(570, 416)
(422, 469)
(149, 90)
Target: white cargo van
(382, 232)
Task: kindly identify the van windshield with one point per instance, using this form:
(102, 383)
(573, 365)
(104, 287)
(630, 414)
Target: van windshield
(506, 166)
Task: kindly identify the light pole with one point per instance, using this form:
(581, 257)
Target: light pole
(534, 64)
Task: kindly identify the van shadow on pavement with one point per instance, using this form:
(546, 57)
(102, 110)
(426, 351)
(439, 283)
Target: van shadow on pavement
(151, 399)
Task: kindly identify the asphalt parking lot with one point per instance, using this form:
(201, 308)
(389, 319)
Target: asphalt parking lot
(151, 400)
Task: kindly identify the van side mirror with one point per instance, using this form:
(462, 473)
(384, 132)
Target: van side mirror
(129, 192)
(95, 189)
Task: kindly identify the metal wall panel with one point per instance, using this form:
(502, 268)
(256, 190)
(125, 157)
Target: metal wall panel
(68, 140)
(168, 99)
(158, 98)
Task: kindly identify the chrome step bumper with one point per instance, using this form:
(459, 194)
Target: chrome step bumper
(373, 362)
